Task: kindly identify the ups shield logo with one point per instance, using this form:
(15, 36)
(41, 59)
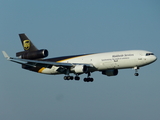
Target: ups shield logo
(26, 44)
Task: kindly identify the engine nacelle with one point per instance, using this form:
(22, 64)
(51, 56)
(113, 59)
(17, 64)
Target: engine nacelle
(80, 69)
(113, 72)
(33, 54)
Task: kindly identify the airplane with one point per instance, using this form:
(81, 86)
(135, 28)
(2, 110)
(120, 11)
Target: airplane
(108, 63)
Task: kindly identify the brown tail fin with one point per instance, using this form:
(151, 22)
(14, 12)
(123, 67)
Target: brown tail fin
(26, 43)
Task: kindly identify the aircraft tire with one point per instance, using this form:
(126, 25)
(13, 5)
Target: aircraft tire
(77, 78)
(88, 79)
(71, 77)
(68, 77)
(136, 74)
(65, 77)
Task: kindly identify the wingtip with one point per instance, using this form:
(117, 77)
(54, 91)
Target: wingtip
(5, 55)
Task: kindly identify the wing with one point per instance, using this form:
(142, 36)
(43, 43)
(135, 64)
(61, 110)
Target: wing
(34, 63)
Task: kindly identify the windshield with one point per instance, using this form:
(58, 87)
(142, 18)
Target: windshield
(147, 54)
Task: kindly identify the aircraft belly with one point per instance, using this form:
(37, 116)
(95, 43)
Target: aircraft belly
(104, 65)
(120, 64)
(125, 64)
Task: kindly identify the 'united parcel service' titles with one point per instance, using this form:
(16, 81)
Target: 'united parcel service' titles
(123, 55)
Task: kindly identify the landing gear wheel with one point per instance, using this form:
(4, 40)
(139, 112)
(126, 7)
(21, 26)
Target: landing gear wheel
(91, 79)
(77, 78)
(68, 77)
(88, 79)
(71, 77)
(136, 74)
(65, 77)
(85, 80)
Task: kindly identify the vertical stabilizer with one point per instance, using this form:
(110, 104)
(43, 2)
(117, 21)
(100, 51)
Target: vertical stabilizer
(26, 43)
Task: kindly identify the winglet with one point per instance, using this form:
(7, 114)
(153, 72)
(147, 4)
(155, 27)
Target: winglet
(5, 55)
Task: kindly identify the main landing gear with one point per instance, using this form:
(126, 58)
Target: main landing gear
(136, 71)
(68, 77)
(88, 79)
(71, 77)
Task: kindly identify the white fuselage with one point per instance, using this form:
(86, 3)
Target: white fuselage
(109, 60)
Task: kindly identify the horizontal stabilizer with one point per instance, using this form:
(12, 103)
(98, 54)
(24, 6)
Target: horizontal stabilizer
(5, 55)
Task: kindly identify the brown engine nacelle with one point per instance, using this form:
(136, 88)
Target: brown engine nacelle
(33, 54)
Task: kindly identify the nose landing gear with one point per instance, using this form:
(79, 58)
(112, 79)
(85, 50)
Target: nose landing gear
(136, 71)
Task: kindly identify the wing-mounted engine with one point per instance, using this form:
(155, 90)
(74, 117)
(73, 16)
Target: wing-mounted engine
(113, 72)
(80, 69)
(33, 54)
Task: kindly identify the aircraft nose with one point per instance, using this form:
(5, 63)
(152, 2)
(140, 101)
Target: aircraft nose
(154, 58)
(151, 59)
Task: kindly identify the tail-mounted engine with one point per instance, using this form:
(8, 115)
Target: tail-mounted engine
(80, 69)
(113, 72)
(33, 54)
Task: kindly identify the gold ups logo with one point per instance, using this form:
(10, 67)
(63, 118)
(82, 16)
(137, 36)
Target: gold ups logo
(26, 44)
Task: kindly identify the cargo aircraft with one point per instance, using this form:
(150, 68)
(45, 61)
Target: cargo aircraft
(107, 63)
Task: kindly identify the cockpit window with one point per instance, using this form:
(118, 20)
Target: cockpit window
(147, 54)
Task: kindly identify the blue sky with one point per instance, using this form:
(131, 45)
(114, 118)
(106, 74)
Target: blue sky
(67, 27)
